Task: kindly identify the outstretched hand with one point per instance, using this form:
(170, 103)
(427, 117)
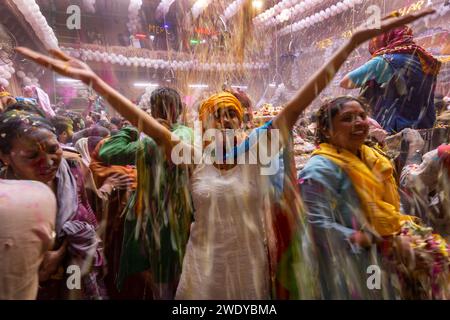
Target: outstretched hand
(76, 69)
(61, 63)
(365, 33)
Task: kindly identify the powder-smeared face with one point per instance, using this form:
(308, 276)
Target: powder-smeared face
(223, 118)
(226, 125)
(35, 155)
(67, 135)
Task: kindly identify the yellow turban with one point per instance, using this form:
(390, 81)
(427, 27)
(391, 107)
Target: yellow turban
(4, 94)
(221, 100)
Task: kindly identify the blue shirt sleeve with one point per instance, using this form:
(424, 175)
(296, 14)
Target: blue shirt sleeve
(376, 69)
(319, 183)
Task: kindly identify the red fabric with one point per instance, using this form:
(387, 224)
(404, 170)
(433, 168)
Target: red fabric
(285, 226)
(401, 40)
(444, 155)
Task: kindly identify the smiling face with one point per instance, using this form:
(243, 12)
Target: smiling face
(349, 127)
(35, 156)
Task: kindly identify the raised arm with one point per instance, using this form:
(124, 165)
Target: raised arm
(77, 69)
(288, 116)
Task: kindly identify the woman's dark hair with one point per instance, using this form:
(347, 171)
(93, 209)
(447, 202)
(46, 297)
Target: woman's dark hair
(162, 99)
(62, 124)
(116, 121)
(329, 110)
(78, 123)
(105, 124)
(26, 107)
(93, 142)
(243, 98)
(246, 103)
(18, 123)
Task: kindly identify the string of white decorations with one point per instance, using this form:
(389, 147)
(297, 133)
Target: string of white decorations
(28, 79)
(89, 5)
(190, 65)
(232, 9)
(267, 17)
(199, 6)
(32, 13)
(299, 8)
(6, 72)
(133, 15)
(144, 102)
(321, 16)
(163, 7)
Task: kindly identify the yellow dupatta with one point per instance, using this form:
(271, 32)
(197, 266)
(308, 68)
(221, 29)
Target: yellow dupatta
(373, 180)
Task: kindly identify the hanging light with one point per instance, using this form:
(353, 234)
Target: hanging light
(257, 4)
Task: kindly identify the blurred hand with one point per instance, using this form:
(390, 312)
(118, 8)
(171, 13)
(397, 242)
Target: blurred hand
(61, 63)
(362, 239)
(119, 181)
(363, 33)
(52, 260)
(414, 139)
(378, 134)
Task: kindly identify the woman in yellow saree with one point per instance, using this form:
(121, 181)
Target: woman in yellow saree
(352, 201)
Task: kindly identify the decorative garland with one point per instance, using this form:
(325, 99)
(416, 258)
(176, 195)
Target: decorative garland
(283, 11)
(320, 16)
(199, 6)
(133, 16)
(232, 9)
(32, 13)
(163, 7)
(28, 79)
(187, 65)
(6, 72)
(89, 5)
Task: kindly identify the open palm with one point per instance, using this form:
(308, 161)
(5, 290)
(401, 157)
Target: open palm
(363, 33)
(61, 63)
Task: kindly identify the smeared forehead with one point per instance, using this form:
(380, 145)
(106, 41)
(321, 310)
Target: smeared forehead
(224, 107)
(351, 106)
(34, 137)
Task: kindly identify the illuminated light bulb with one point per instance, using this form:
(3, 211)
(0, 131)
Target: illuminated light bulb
(257, 4)
(201, 3)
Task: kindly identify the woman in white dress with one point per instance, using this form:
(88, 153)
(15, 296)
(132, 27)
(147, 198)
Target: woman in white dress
(227, 254)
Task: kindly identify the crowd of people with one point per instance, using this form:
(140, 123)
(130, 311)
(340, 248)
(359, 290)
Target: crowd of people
(139, 208)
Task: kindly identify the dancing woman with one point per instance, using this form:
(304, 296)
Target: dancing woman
(353, 205)
(398, 82)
